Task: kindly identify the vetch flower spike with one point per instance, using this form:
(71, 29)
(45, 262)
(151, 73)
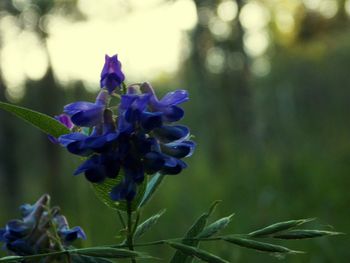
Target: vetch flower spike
(133, 139)
(33, 233)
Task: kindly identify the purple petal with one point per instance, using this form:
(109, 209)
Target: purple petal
(174, 98)
(168, 133)
(173, 166)
(180, 149)
(90, 117)
(70, 138)
(70, 235)
(78, 106)
(172, 113)
(65, 120)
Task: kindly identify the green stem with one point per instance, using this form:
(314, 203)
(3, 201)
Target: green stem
(138, 215)
(56, 237)
(121, 219)
(164, 241)
(129, 240)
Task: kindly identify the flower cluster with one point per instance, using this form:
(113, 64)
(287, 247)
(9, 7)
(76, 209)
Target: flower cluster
(134, 138)
(38, 230)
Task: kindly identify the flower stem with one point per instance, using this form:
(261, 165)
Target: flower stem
(130, 234)
(121, 219)
(56, 237)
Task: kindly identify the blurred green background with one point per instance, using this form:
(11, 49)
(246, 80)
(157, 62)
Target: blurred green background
(269, 86)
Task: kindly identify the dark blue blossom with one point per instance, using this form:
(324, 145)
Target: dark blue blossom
(168, 104)
(32, 233)
(100, 140)
(87, 114)
(111, 75)
(135, 138)
(139, 140)
(67, 235)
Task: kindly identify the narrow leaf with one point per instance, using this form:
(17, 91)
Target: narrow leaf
(215, 227)
(86, 259)
(147, 224)
(41, 121)
(108, 252)
(102, 191)
(151, 188)
(196, 252)
(195, 229)
(11, 259)
(261, 246)
(304, 233)
(278, 227)
(33, 257)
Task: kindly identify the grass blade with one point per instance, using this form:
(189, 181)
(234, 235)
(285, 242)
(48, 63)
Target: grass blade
(147, 224)
(195, 230)
(196, 252)
(278, 227)
(305, 233)
(260, 246)
(215, 227)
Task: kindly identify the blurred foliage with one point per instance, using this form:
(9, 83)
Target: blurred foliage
(272, 132)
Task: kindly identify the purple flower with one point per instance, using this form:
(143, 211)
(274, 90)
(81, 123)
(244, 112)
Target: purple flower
(100, 140)
(140, 140)
(66, 121)
(168, 104)
(87, 114)
(31, 234)
(132, 139)
(111, 75)
(67, 234)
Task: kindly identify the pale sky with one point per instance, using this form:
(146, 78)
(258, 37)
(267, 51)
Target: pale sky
(150, 41)
(149, 36)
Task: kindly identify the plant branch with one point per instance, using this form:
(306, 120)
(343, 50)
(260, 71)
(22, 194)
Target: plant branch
(121, 219)
(129, 239)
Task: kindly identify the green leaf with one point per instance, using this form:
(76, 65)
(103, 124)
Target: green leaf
(215, 227)
(86, 259)
(151, 188)
(195, 229)
(41, 121)
(278, 227)
(147, 224)
(11, 259)
(108, 252)
(102, 191)
(196, 252)
(261, 246)
(305, 233)
(32, 258)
